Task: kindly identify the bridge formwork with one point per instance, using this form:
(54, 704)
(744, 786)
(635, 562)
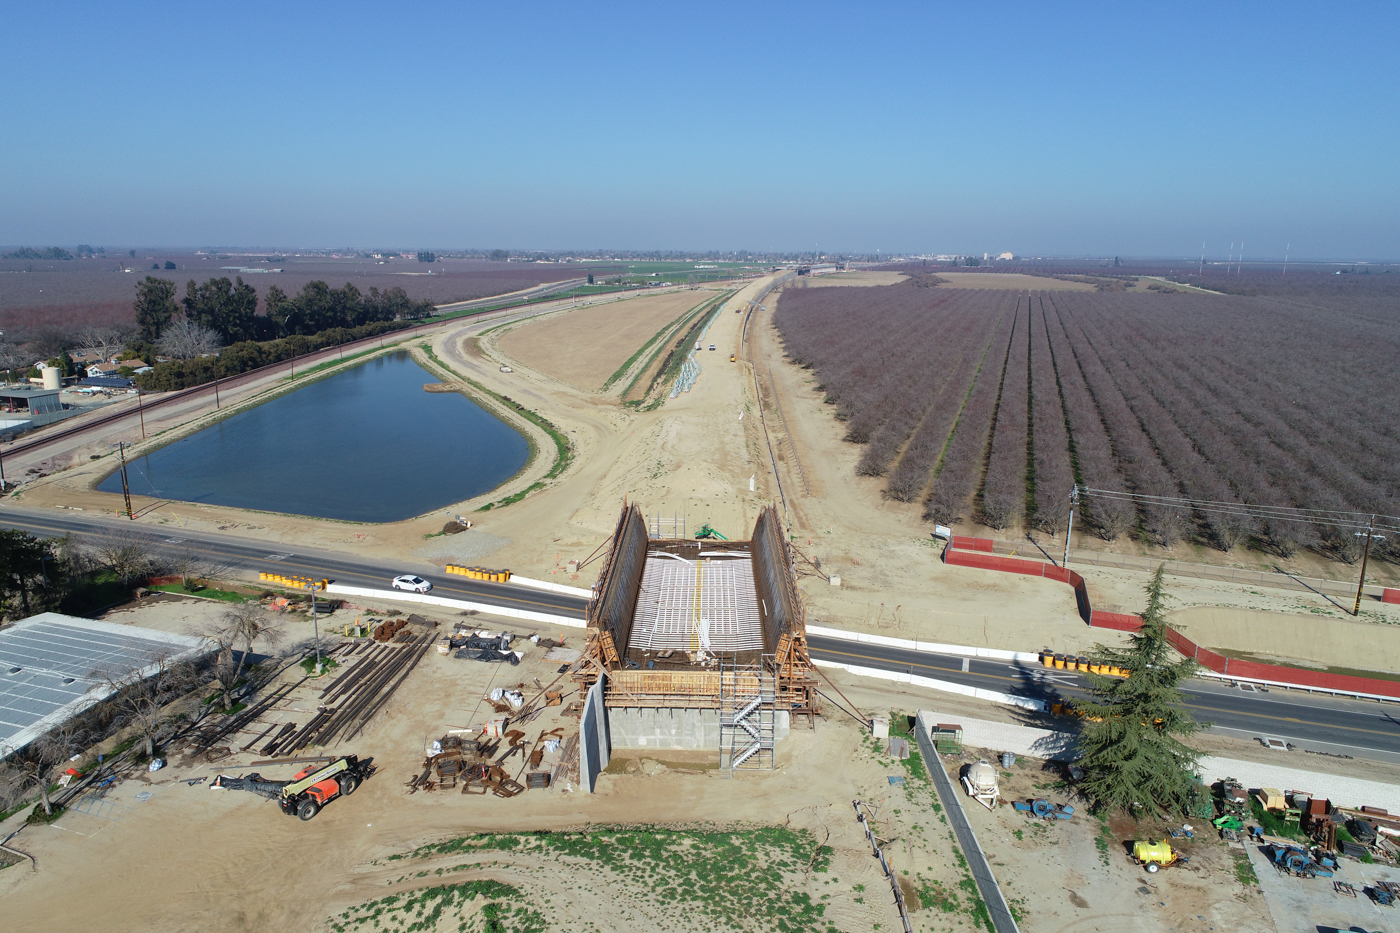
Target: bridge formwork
(700, 643)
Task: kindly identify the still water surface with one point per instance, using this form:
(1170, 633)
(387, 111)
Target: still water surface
(365, 445)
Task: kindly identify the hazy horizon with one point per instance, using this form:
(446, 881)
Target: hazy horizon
(1091, 132)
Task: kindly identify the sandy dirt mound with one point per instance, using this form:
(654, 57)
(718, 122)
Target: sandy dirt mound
(585, 347)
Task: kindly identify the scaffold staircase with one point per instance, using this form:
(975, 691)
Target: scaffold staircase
(745, 718)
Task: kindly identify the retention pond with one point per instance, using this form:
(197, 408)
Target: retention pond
(364, 445)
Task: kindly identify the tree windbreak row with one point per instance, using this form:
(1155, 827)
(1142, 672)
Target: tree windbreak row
(989, 406)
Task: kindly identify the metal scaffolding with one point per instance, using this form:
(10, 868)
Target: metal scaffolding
(746, 716)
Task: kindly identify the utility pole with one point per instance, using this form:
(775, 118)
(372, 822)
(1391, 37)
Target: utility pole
(313, 586)
(1073, 501)
(216, 393)
(141, 410)
(126, 487)
(1368, 534)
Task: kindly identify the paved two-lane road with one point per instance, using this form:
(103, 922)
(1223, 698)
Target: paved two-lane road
(237, 553)
(1311, 721)
(1316, 722)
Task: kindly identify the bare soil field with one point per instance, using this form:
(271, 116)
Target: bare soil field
(860, 277)
(1012, 280)
(585, 347)
(37, 293)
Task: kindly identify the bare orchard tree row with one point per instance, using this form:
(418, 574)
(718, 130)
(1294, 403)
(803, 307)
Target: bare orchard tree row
(960, 472)
(1004, 488)
(1050, 438)
(1240, 400)
(898, 369)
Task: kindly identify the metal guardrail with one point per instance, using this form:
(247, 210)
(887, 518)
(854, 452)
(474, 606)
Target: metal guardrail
(976, 859)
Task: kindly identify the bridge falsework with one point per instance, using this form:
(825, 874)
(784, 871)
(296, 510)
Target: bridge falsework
(681, 623)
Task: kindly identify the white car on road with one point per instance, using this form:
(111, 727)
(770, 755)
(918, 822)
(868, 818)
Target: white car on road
(414, 584)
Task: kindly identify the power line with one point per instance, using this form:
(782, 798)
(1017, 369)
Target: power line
(1277, 513)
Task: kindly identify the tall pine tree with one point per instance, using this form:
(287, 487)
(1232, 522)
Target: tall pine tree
(1131, 746)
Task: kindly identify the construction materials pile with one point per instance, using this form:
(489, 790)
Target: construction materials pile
(479, 760)
(368, 674)
(386, 631)
(483, 646)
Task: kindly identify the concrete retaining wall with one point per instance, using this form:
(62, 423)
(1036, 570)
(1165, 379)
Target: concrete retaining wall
(551, 587)
(674, 728)
(594, 738)
(968, 651)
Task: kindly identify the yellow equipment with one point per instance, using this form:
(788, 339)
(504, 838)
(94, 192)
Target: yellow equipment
(480, 573)
(1153, 855)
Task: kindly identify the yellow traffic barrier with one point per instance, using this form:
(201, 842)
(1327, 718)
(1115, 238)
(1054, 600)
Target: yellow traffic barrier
(479, 573)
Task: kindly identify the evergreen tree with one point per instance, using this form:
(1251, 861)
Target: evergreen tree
(1131, 746)
(31, 574)
(155, 306)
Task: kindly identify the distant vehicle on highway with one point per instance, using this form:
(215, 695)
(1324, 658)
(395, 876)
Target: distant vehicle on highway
(411, 583)
(712, 346)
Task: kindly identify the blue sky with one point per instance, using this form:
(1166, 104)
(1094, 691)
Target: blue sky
(1131, 129)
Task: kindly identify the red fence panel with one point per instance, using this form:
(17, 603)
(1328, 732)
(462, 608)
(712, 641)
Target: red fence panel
(1315, 679)
(992, 562)
(1119, 621)
(974, 552)
(1181, 643)
(1210, 660)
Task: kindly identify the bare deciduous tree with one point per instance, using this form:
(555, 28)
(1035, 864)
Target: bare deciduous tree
(142, 695)
(106, 340)
(127, 553)
(186, 339)
(36, 763)
(12, 358)
(242, 624)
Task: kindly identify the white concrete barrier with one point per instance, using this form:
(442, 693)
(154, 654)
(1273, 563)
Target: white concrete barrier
(947, 686)
(426, 599)
(994, 654)
(551, 587)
